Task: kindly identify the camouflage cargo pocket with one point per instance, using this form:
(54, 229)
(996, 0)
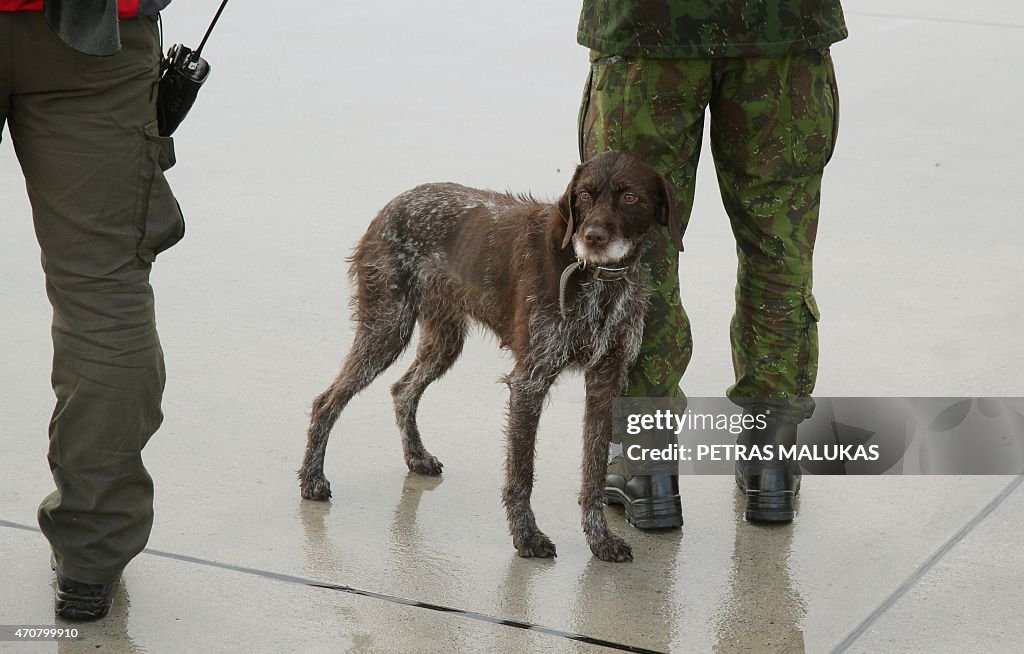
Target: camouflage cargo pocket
(814, 106)
(807, 358)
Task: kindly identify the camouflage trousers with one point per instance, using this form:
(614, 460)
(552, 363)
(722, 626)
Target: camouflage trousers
(773, 128)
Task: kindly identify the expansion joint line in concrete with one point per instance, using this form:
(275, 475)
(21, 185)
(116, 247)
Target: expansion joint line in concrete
(928, 564)
(326, 585)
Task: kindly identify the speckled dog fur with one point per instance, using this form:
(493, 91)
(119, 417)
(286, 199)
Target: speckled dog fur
(444, 254)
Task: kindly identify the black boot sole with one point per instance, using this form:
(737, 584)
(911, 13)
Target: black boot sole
(648, 513)
(82, 608)
(75, 606)
(770, 506)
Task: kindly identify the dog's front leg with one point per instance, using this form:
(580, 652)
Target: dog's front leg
(603, 383)
(524, 406)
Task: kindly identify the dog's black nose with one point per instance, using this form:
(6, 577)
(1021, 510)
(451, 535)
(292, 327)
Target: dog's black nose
(596, 236)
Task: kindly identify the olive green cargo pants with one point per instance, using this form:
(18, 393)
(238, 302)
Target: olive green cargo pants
(773, 129)
(84, 130)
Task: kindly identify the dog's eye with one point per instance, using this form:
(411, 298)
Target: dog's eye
(629, 198)
(584, 195)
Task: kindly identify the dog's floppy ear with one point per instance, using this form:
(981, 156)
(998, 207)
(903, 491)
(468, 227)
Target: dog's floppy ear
(665, 211)
(565, 207)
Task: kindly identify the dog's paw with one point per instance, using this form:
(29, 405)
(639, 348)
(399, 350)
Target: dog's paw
(316, 488)
(537, 545)
(612, 549)
(428, 464)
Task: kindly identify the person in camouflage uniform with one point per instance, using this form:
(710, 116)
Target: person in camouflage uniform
(763, 68)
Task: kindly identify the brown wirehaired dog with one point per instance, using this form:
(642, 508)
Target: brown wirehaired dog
(445, 254)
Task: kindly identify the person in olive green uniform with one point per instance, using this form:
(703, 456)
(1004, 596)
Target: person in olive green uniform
(84, 129)
(764, 70)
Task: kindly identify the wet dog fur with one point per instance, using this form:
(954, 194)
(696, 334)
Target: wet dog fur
(443, 255)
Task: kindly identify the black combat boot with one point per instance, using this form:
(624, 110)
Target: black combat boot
(650, 501)
(770, 486)
(75, 600)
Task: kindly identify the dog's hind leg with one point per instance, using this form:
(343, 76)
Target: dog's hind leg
(528, 389)
(383, 332)
(441, 340)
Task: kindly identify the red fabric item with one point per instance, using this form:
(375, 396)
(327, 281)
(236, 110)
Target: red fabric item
(125, 8)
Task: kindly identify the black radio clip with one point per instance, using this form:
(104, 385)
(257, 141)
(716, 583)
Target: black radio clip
(182, 73)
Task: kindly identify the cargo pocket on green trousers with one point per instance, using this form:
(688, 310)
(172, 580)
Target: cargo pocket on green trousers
(159, 222)
(581, 120)
(599, 124)
(811, 117)
(834, 89)
(807, 359)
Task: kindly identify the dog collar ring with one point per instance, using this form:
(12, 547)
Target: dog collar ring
(601, 274)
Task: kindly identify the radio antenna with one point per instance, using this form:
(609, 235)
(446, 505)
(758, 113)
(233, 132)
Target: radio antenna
(208, 30)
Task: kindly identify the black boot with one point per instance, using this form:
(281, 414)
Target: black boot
(651, 501)
(770, 486)
(75, 600)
